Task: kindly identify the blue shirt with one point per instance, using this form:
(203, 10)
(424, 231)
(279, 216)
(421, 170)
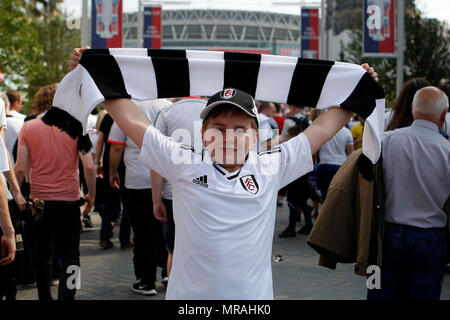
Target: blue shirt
(416, 168)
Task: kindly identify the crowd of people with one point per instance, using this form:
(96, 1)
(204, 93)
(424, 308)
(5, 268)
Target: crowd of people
(130, 174)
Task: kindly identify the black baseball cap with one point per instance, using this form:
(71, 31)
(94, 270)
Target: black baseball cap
(235, 97)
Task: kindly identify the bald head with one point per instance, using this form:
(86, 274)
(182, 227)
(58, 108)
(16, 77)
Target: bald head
(430, 103)
(268, 108)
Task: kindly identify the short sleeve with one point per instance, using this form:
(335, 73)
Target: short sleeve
(164, 155)
(349, 137)
(161, 124)
(116, 135)
(2, 114)
(295, 159)
(4, 163)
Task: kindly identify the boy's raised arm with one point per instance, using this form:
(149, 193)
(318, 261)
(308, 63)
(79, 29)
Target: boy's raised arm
(326, 126)
(128, 117)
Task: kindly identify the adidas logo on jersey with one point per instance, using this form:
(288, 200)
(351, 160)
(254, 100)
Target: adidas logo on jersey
(203, 181)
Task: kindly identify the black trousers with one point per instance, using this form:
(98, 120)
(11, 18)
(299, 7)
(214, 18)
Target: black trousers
(59, 227)
(149, 246)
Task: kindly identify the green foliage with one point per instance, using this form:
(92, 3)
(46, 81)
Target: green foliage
(427, 50)
(37, 46)
(19, 45)
(426, 53)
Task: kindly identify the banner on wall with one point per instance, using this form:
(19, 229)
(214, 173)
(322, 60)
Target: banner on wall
(379, 28)
(106, 24)
(152, 26)
(310, 33)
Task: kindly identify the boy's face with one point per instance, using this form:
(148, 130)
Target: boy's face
(229, 137)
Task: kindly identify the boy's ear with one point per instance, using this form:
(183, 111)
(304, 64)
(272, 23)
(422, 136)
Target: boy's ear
(254, 140)
(202, 131)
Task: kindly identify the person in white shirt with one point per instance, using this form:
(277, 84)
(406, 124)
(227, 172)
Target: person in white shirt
(149, 248)
(7, 232)
(12, 133)
(16, 101)
(14, 191)
(268, 131)
(178, 121)
(8, 240)
(298, 193)
(331, 156)
(7, 236)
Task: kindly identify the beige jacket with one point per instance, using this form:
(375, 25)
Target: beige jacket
(350, 225)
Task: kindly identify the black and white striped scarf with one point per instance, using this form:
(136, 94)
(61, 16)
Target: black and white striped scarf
(144, 74)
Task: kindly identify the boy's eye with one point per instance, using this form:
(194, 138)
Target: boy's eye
(239, 132)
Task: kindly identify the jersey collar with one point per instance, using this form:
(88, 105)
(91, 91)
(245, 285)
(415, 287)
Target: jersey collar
(206, 158)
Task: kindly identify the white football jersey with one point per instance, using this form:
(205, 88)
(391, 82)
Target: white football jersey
(224, 221)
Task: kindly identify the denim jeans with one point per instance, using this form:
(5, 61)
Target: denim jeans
(293, 213)
(325, 173)
(414, 261)
(59, 226)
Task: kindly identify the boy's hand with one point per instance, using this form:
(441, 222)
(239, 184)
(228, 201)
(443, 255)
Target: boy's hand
(75, 57)
(371, 71)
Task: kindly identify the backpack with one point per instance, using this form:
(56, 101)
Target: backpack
(302, 122)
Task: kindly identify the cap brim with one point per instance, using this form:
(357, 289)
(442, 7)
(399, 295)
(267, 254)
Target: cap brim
(208, 109)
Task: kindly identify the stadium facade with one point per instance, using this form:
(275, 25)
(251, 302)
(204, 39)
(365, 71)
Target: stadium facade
(214, 29)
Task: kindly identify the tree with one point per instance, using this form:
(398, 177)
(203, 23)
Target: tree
(57, 42)
(19, 45)
(426, 54)
(38, 43)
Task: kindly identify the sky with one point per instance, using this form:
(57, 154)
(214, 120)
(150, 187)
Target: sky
(439, 9)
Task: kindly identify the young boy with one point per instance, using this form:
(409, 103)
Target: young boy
(225, 198)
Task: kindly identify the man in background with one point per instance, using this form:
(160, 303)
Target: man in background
(417, 204)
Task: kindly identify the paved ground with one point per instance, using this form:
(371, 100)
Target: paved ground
(107, 275)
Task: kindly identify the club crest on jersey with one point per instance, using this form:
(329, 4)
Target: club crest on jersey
(228, 93)
(249, 183)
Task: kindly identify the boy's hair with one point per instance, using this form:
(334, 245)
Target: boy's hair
(227, 109)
